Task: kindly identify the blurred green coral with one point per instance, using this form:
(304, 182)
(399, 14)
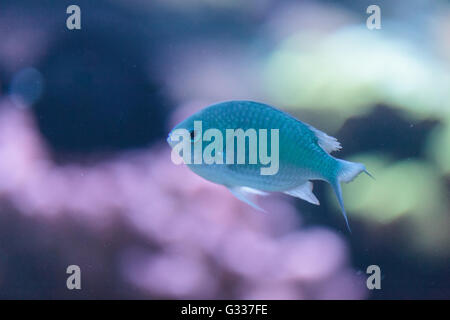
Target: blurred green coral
(343, 74)
(406, 187)
(410, 188)
(352, 69)
(438, 147)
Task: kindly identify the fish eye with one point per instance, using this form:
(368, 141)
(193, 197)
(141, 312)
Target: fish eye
(194, 136)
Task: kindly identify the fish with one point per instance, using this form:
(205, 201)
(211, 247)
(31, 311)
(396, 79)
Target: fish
(299, 153)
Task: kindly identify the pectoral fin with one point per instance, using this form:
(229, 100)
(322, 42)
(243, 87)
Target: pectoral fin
(304, 192)
(247, 195)
(254, 191)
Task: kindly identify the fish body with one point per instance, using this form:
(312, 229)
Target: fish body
(303, 152)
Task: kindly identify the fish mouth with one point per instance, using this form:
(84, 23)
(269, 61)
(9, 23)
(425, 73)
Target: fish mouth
(170, 140)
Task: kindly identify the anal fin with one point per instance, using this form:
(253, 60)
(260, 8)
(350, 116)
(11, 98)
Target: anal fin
(304, 191)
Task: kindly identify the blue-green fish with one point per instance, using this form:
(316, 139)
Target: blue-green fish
(298, 152)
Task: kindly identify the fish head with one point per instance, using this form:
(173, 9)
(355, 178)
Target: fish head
(186, 126)
(193, 128)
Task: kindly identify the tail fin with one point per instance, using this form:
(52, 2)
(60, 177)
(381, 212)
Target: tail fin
(337, 190)
(347, 172)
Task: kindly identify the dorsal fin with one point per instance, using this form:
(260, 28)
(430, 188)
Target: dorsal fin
(326, 142)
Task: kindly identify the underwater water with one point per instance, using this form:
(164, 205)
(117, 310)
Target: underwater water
(87, 179)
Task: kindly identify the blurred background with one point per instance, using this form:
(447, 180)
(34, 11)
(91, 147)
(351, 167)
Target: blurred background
(86, 176)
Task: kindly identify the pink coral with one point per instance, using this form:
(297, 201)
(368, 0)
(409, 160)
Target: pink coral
(203, 243)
